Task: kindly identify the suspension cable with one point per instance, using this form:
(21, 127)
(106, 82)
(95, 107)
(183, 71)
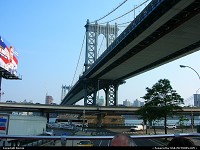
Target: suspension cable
(110, 12)
(124, 23)
(126, 13)
(100, 45)
(78, 59)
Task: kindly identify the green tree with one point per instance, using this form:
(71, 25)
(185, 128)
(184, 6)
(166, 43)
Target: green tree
(149, 114)
(182, 120)
(161, 101)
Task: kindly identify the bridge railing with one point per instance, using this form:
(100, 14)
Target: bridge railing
(62, 140)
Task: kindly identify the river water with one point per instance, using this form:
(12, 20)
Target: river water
(130, 122)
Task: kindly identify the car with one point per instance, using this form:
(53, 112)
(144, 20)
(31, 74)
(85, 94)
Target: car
(48, 133)
(53, 104)
(9, 101)
(138, 128)
(171, 126)
(85, 143)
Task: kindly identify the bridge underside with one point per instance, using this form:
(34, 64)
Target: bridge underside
(163, 36)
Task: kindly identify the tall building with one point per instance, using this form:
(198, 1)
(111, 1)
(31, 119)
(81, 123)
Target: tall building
(48, 99)
(126, 103)
(101, 101)
(197, 100)
(138, 103)
(141, 103)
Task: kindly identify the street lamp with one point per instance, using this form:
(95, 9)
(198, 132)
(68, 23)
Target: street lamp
(182, 66)
(192, 119)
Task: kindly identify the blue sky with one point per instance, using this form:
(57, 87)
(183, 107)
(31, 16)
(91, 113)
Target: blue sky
(48, 35)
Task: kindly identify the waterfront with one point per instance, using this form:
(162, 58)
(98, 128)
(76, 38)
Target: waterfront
(130, 122)
(135, 121)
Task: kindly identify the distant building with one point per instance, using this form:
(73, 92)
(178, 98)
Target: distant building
(197, 100)
(101, 101)
(141, 103)
(138, 103)
(48, 99)
(126, 103)
(25, 101)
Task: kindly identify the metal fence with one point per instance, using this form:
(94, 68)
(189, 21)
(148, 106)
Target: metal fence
(15, 140)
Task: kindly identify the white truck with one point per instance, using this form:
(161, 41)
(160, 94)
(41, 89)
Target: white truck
(20, 125)
(138, 128)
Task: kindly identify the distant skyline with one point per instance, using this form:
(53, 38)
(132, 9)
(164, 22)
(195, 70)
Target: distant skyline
(48, 36)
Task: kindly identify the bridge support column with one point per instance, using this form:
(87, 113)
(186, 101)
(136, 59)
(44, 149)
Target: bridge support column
(192, 121)
(47, 115)
(90, 92)
(110, 87)
(111, 92)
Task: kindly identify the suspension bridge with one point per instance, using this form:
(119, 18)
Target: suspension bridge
(154, 37)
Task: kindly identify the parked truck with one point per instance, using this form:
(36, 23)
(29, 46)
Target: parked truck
(20, 125)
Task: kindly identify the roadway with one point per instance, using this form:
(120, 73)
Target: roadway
(74, 109)
(103, 132)
(111, 132)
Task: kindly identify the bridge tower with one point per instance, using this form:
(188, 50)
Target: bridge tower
(92, 86)
(64, 89)
(92, 33)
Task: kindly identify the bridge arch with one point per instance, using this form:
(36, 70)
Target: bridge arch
(92, 33)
